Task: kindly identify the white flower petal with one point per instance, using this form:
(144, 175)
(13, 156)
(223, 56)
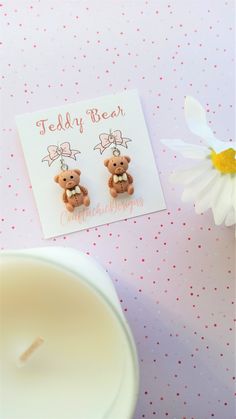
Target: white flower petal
(223, 202)
(192, 151)
(208, 196)
(234, 192)
(195, 116)
(194, 190)
(230, 218)
(186, 176)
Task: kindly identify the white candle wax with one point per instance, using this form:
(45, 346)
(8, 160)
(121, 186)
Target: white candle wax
(86, 367)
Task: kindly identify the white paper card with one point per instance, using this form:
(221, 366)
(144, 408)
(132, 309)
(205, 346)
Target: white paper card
(46, 133)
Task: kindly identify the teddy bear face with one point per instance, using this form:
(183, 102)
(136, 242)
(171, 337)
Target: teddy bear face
(68, 179)
(117, 165)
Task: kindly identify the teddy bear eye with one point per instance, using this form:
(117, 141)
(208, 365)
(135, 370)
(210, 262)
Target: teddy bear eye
(114, 164)
(64, 179)
(121, 163)
(71, 177)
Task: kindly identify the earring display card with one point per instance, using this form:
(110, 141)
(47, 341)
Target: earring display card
(83, 134)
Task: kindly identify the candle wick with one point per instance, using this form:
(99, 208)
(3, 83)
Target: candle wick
(26, 355)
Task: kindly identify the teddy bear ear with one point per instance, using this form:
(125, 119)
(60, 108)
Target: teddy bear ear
(56, 178)
(77, 171)
(106, 162)
(128, 158)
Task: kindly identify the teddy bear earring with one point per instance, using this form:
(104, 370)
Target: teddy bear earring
(74, 194)
(120, 180)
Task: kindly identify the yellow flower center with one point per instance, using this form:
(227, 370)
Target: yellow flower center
(225, 161)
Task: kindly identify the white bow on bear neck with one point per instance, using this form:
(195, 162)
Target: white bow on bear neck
(72, 192)
(119, 178)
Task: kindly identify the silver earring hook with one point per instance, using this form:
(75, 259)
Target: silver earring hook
(115, 150)
(64, 166)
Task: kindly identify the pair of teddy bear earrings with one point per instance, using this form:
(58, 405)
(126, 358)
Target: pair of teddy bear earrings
(75, 194)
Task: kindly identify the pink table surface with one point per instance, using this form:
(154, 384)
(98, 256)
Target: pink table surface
(173, 270)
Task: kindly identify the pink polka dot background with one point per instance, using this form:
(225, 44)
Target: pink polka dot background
(173, 270)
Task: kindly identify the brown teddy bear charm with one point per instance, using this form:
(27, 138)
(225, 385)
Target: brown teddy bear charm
(120, 181)
(74, 194)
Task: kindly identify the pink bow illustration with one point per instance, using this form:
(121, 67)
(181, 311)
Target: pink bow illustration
(64, 150)
(114, 138)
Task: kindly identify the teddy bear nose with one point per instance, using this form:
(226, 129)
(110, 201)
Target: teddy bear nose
(70, 184)
(119, 170)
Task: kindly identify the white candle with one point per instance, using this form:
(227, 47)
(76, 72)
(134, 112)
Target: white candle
(61, 318)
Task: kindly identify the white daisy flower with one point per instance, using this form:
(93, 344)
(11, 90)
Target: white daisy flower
(212, 182)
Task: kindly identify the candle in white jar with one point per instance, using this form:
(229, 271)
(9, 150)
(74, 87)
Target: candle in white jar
(65, 349)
